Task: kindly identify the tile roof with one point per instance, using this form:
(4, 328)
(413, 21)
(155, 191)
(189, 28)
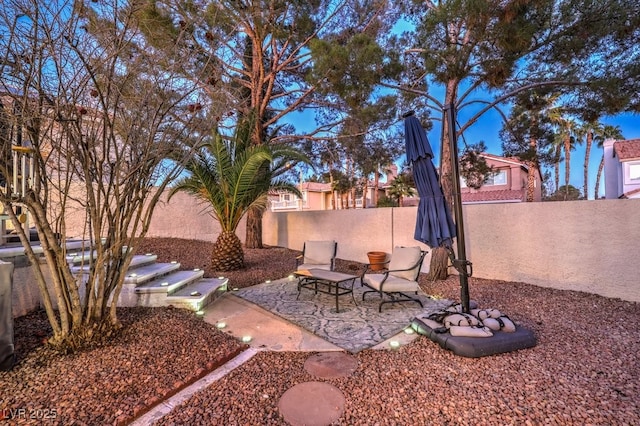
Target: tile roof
(316, 186)
(627, 150)
(504, 159)
(630, 194)
(493, 196)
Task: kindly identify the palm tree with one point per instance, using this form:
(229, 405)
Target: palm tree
(400, 188)
(587, 130)
(600, 135)
(232, 177)
(557, 145)
(566, 139)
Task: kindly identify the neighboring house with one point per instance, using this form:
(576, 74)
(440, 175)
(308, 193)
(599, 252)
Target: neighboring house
(508, 185)
(318, 196)
(621, 168)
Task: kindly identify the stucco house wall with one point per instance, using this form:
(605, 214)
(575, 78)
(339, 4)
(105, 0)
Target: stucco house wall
(622, 168)
(509, 185)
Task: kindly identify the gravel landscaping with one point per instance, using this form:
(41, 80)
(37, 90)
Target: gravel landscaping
(584, 370)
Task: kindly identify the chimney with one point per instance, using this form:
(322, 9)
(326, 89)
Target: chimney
(392, 172)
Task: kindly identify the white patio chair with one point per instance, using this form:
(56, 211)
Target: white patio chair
(317, 255)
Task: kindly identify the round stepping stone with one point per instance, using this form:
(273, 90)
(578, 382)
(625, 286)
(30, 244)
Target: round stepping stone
(331, 364)
(312, 404)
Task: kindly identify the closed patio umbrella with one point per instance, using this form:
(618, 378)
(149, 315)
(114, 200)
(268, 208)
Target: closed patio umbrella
(434, 223)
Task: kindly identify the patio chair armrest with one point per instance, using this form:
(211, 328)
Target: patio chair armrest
(299, 259)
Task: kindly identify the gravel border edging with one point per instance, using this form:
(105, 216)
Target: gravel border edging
(165, 407)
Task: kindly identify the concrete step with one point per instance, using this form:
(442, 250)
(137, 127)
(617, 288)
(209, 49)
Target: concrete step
(76, 257)
(170, 283)
(198, 294)
(14, 250)
(80, 261)
(142, 259)
(149, 272)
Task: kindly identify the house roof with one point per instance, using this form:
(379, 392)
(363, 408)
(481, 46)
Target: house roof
(502, 195)
(630, 194)
(316, 186)
(509, 160)
(627, 150)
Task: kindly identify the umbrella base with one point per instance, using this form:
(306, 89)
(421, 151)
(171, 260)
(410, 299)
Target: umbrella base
(476, 347)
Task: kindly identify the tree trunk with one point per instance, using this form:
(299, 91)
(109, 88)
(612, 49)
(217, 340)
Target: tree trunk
(446, 179)
(567, 165)
(557, 168)
(253, 236)
(531, 171)
(531, 180)
(587, 154)
(227, 253)
(598, 176)
(376, 182)
(439, 256)
(438, 268)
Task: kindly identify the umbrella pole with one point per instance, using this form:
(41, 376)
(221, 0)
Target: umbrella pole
(461, 263)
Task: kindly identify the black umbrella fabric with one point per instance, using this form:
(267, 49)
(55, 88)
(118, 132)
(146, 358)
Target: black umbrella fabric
(434, 224)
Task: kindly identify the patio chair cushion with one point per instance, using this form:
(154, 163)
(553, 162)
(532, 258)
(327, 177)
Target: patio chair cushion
(307, 266)
(391, 284)
(319, 252)
(403, 258)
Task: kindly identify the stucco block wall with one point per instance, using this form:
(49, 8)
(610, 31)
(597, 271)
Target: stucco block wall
(26, 293)
(589, 246)
(575, 245)
(182, 217)
(356, 234)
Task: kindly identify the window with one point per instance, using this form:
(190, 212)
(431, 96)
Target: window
(498, 179)
(285, 197)
(634, 172)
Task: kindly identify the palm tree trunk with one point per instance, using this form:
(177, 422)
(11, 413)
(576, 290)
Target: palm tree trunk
(227, 252)
(556, 167)
(253, 235)
(567, 165)
(587, 155)
(376, 181)
(598, 176)
(333, 191)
